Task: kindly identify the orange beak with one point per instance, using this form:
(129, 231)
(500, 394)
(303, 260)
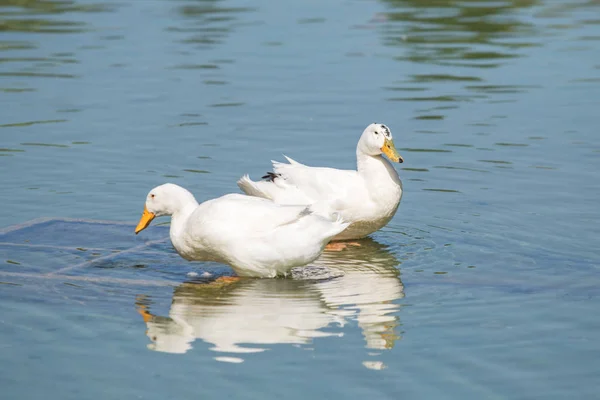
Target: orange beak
(147, 217)
(390, 151)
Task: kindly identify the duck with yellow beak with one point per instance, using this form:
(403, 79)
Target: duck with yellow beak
(367, 197)
(256, 237)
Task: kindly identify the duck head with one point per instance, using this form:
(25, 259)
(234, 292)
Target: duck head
(377, 139)
(164, 200)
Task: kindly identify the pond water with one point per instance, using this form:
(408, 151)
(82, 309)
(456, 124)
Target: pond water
(485, 284)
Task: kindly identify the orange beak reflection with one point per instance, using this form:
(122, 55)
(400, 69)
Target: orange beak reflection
(147, 217)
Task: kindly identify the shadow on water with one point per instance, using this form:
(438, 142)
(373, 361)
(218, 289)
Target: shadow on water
(358, 284)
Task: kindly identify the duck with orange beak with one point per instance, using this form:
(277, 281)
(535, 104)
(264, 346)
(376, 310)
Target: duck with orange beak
(367, 197)
(256, 237)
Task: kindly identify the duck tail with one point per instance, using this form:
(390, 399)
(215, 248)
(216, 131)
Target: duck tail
(252, 188)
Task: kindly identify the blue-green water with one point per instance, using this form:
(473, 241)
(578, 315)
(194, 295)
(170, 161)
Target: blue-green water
(484, 285)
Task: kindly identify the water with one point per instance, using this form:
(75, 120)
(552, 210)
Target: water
(485, 284)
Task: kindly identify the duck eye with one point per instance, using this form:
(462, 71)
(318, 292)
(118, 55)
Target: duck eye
(152, 196)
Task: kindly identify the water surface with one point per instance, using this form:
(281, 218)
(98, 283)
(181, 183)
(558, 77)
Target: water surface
(484, 285)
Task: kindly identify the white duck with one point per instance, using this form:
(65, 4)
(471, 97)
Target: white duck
(256, 237)
(367, 198)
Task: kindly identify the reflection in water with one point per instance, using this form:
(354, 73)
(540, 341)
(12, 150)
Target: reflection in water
(366, 291)
(252, 311)
(260, 312)
(444, 34)
(25, 15)
(38, 17)
(446, 31)
(209, 21)
(472, 35)
(203, 25)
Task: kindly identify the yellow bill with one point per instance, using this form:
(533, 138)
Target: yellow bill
(147, 217)
(390, 151)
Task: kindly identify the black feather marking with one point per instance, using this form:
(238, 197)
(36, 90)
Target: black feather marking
(305, 212)
(270, 176)
(386, 129)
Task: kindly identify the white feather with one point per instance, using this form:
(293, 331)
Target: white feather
(367, 197)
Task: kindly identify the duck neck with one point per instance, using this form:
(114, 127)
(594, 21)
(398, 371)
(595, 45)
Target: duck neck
(180, 217)
(378, 173)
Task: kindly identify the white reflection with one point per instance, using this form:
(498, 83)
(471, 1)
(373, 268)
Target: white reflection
(248, 315)
(366, 292)
(249, 311)
(376, 365)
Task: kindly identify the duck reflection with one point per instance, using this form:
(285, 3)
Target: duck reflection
(366, 291)
(247, 315)
(249, 311)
